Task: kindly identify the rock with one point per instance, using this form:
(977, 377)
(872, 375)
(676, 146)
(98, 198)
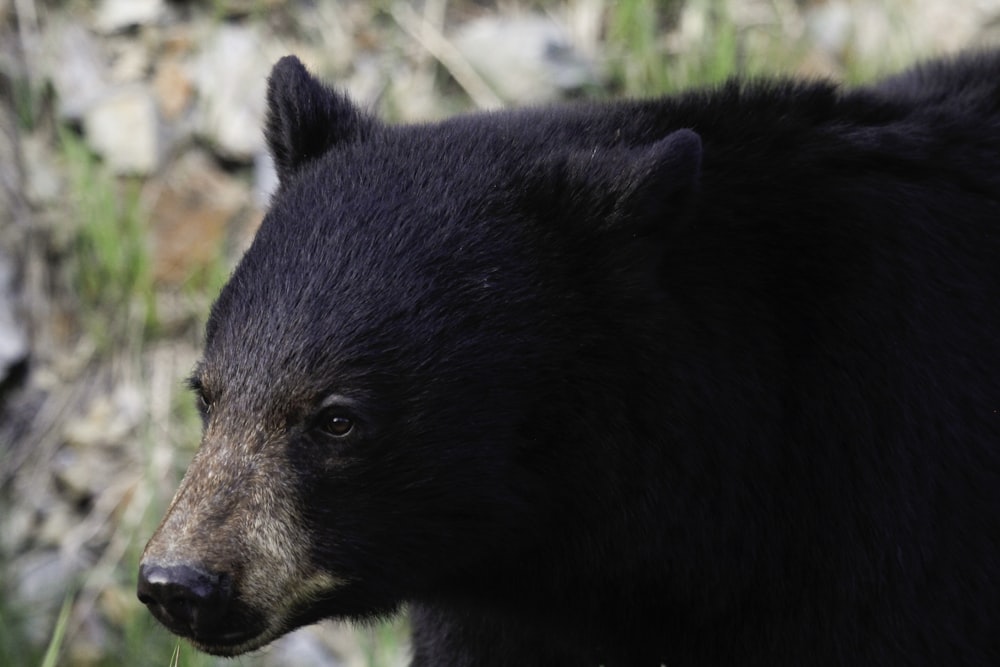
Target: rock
(123, 127)
(367, 81)
(244, 7)
(117, 15)
(44, 182)
(177, 40)
(117, 604)
(40, 580)
(231, 79)
(830, 28)
(77, 67)
(109, 420)
(525, 59)
(265, 179)
(56, 521)
(363, 646)
(173, 88)
(13, 338)
(889, 35)
(131, 59)
(190, 209)
(948, 25)
(17, 527)
(303, 648)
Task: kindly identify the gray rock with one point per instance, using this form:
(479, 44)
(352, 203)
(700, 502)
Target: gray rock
(17, 528)
(44, 181)
(231, 78)
(116, 15)
(830, 26)
(13, 338)
(131, 59)
(109, 420)
(40, 580)
(525, 58)
(893, 34)
(173, 87)
(190, 209)
(56, 521)
(303, 648)
(124, 128)
(74, 62)
(265, 179)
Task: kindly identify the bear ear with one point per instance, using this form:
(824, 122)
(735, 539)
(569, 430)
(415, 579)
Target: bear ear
(305, 118)
(659, 185)
(638, 191)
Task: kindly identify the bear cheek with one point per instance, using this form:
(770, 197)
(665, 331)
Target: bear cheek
(279, 574)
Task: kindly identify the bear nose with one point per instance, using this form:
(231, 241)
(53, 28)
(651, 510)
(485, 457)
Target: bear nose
(188, 600)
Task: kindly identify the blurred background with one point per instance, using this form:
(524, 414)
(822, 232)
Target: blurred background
(133, 175)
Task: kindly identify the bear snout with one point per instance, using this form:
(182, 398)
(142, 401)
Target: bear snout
(189, 600)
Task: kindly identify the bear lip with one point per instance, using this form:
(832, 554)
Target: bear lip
(241, 632)
(234, 643)
(252, 636)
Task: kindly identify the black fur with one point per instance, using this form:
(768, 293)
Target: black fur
(305, 119)
(705, 380)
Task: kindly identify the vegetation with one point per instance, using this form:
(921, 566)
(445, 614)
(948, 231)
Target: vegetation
(110, 263)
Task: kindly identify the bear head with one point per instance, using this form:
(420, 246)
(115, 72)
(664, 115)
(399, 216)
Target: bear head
(418, 343)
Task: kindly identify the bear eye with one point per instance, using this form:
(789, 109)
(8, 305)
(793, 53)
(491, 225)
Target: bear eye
(204, 407)
(201, 400)
(336, 426)
(335, 417)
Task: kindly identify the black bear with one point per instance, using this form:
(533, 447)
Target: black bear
(705, 380)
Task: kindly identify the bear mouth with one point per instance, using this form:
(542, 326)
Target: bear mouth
(235, 643)
(248, 630)
(256, 634)
(238, 631)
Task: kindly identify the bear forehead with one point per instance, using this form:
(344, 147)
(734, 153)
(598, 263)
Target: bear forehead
(373, 268)
(400, 182)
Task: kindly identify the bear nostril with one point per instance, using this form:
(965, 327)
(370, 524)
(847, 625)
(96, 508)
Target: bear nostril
(188, 600)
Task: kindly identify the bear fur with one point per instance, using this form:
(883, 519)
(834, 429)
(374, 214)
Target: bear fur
(711, 379)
